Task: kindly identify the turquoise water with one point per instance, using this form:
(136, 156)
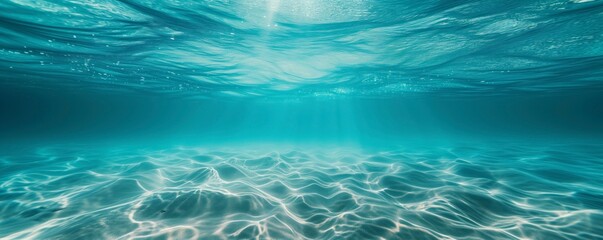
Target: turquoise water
(281, 119)
(484, 192)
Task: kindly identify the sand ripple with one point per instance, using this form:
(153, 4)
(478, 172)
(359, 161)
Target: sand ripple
(508, 192)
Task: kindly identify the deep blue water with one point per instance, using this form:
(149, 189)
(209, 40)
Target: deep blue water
(307, 119)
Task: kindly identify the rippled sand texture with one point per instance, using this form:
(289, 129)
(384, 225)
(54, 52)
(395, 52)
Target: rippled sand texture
(184, 193)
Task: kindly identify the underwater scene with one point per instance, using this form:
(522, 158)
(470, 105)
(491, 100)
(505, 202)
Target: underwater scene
(301, 119)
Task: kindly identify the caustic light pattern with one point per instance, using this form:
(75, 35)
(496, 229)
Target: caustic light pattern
(190, 193)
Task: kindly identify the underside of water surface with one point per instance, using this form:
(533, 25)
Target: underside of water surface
(305, 119)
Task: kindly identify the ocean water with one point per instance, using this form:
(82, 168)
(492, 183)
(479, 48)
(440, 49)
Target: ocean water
(306, 119)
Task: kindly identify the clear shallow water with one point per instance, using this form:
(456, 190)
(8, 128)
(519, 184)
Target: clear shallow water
(353, 119)
(480, 192)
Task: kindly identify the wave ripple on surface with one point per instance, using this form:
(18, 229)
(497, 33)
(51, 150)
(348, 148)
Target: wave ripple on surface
(443, 193)
(303, 48)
